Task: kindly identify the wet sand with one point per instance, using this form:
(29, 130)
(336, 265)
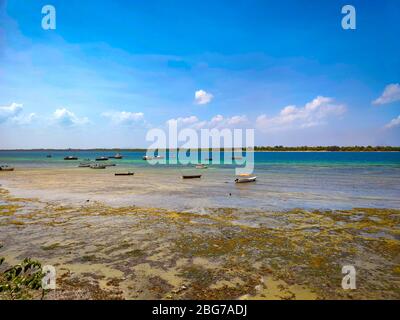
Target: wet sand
(108, 248)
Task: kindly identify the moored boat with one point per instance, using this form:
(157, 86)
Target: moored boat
(244, 178)
(117, 156)
(6, 168)
(193, 176)
(85, 164)
(124, 173)
(101, 159)
(71, 158)
(201, 166)
(97, 166)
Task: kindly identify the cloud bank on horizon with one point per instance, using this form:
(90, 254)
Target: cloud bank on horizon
(110, 81)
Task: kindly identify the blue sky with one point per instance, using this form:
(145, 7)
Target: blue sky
(114, 69)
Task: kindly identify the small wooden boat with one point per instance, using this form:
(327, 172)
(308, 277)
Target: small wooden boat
(6, 168)
(245, 178)
(201, 166)
(193, 176)
(101, 159)
(97, 166)
(124, 173)
(71, 158)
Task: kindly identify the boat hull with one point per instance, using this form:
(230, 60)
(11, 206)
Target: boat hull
(192, 177)
(245, 180)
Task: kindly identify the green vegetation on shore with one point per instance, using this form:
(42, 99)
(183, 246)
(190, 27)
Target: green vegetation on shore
(328, 148)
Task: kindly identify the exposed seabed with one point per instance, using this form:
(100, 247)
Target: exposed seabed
(127, 252)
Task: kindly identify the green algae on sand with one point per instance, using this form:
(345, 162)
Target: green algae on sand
(149, 253)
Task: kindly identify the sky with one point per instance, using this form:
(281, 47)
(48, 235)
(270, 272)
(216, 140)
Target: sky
(113, 70)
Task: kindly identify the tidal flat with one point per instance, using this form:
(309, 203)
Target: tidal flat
(128, 252)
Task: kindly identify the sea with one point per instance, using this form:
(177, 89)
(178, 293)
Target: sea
(285, 180)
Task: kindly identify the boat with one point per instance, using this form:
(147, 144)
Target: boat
(243, 178)
(201, 166)
(101, 159)
(6, 168)
(124, 173)
(117, 156)
(237, 158)
(49, 156)
(193, 176)
(85, 164)
(152, 158)
(97, 166)
(71, 158)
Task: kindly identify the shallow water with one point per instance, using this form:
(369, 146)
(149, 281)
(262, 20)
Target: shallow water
(286, 180)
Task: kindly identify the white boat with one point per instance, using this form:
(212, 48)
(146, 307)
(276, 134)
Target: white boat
(245, 178)
(71, 158)
(118, 156)
(152, 158)
(201, 166)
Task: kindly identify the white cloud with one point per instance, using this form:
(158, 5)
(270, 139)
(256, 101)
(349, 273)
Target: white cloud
(24, 119)
(9, 112)
(314, 113)
(67, 118)
(393, 123)
(202, 97)
(390, 94)
(124, 117)
(185, 121)
(218, 122)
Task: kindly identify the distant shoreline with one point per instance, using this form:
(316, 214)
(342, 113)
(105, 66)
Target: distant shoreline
(257, 149)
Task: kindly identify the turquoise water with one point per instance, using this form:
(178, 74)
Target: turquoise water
(285, 180)
(38, 158)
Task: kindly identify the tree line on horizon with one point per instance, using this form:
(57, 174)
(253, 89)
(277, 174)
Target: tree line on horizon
(327, 148)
